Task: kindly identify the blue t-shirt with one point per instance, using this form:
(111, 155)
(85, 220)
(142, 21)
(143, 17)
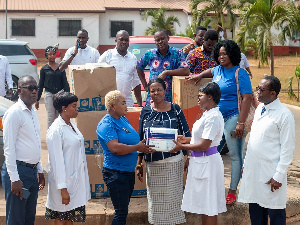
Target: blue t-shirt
(109, 129)
(225, 78)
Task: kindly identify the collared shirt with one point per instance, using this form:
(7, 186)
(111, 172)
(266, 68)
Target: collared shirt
(269, 152)
(199, 61)
(110, 128)
(21, 137)
(126, 74)
(210, 126)
(186, 49)
(52, 81)
(87, 55)
(68, 166)
(174, 59)
(244, 62)
(5, 74)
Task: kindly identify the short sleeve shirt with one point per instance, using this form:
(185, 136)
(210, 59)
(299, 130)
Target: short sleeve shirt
(225, 78)
(109, 129)
(244, 62)
(198, 61)
(210, 126)
(126, 74)
(174, 59)
(87, 55)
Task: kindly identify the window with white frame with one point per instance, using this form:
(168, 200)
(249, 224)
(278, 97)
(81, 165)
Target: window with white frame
(115, 26)
(68, 27)
(23, 27)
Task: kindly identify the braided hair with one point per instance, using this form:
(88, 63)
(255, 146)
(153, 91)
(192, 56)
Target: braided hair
(48, 49)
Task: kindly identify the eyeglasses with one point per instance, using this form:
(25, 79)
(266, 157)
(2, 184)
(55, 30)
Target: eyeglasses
(30, 87)
(262, 90)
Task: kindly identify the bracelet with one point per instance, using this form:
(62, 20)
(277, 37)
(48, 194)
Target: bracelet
(240, 123)
(73, 54)
(138, 166)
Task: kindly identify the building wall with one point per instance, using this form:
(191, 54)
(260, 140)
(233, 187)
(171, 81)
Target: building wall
(97, 24)
(46, 29)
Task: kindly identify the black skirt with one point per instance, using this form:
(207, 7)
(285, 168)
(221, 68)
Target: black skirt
(74, 215)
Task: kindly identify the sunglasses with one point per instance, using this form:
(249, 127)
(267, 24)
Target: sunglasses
(262, 90)
(30, 87)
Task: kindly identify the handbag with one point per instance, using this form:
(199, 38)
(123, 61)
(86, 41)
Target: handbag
(253, 105)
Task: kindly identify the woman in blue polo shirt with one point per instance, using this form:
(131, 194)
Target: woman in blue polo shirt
(227, 55)
(120, 143)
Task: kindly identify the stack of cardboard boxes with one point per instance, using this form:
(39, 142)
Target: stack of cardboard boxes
(90, 83)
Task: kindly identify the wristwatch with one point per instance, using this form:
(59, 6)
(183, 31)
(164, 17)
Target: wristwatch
(73, 54)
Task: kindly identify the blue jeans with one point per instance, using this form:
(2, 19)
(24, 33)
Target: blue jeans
(21, 212)
(259, 215)
(235, 147)
(120, 185)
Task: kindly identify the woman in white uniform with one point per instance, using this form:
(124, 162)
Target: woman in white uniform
(204, 190)
(69, 186)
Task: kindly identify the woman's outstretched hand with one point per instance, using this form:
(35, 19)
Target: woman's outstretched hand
(142, 147)
(178, 147)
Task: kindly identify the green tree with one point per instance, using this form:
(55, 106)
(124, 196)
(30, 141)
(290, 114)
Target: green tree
(289, 84)
(191, 29)
(261, 17)
(248, 41)
(222, 13)
(293, 27)
(160, 21)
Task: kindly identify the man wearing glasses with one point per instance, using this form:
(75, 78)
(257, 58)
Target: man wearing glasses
(22, 172)
(269, 152)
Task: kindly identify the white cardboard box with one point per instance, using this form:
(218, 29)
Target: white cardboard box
(161, 137)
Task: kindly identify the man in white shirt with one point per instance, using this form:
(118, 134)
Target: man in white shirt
(245, 64)
(269, 152)
(81, 53)
(5, 74)
(125, 64)
(22, 172)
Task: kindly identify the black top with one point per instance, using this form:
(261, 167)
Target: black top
(52, 81)
(171, 119)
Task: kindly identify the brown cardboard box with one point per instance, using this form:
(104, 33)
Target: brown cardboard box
(98, 188)
(91, 82)
(185, 93)
(87, 123)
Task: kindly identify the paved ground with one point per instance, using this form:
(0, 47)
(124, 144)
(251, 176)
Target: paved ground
(100, 211)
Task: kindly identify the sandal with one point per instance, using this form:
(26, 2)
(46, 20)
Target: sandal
(230, 200)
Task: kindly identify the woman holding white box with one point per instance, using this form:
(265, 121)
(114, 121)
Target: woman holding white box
(164, 170)
(120, 143)
(204, 190)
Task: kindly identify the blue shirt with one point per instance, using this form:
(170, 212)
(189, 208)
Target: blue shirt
(174, 59)
(109, 129)
(225, 78)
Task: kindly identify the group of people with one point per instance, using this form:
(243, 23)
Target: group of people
(269, 151)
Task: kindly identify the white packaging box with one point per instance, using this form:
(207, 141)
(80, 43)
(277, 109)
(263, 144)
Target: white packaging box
(161, 137)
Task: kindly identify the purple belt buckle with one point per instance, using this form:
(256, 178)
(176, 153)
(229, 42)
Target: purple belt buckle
(208, 152)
